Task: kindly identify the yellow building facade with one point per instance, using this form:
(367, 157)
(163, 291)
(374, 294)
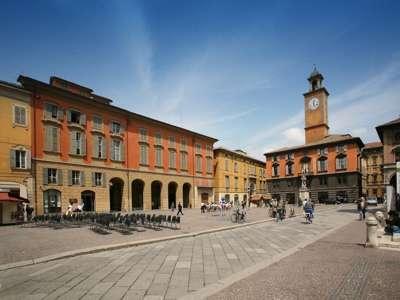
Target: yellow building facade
(237, 176)
(16, 182)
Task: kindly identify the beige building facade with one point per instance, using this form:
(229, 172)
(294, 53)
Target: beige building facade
(237, 176)
(372, 175)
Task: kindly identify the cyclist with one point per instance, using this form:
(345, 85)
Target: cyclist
(308, 209)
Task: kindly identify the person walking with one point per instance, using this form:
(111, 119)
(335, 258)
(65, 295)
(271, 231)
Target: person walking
(363, 207)
(179, 209)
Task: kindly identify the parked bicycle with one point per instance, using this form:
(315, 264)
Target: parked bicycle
(238, 216)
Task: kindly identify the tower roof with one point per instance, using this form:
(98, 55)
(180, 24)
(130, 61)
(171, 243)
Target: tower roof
(315, 74)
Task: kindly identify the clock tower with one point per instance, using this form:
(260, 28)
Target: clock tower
(316, 109)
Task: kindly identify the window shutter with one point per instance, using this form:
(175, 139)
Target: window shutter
(45, 176)
(12, 159)
(69, 116)
(93, 179)
(82, 178)
(69, 177)
(112, 150)
(60, 114)
(82, 119)
(122, 151)
(47, 111)
(59, 177)
(83, 144)
(54, 139)
(103, 148)
(72, 142)
(28, 159)
(47, 138)
(103, 178)
(95, 146)
(22, 112)
(345, 148)
(122, 128)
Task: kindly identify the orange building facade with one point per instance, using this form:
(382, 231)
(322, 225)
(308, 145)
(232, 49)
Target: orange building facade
(329, 163)
(87, 151)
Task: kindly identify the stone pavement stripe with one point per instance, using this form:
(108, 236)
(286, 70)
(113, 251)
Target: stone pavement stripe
(45, 270)
(223, 283)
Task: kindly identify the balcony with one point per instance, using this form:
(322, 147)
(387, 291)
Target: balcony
(306, 172)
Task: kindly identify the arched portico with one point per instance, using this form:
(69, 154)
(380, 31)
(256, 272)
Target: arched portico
(172, 188)
(186, 194)
(156, 187)
(137, 194)
(116, 192)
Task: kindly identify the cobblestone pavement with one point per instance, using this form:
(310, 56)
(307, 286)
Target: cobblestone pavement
(24, 241)
(165, 269)
(335, 267)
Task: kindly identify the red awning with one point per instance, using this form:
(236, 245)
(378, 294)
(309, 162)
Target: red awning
(6, 197)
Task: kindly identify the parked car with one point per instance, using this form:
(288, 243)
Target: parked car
(372, 201)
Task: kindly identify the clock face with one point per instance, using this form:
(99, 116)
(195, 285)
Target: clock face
(313, 103)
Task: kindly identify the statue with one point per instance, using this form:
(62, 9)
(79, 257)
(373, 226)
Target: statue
(381, 223)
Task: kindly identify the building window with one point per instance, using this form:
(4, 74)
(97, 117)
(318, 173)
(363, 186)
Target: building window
(75, 177)
(374, 178)
(199, 168)
(172, 159)
(51, 139)
(53, 112)
(236, 183)
(341, 148)
(341, 162)
(226, 165)
(322, 180)
(51, 201)
(235, 167)
(171, 142)
(52, 176)
(183, 145)
(290, 156)
(245, 184)
(323, 151)
(157, 139)
(20, 159)
(227, 183)
(99, 149)
(143, 135)
(97, 123)
(78, 145)
(374, 158)
(116, 150)
(116, 128)
(198, 148)
(209, 165)
(144, 154)
(209, 151)
(75, 117)
(97, 179)
(275, 170)
(184, 161)
(159, 156)
(289, 169)
(321, 165)
(20, 115)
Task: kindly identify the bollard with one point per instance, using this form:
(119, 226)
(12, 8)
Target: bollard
(372, 236)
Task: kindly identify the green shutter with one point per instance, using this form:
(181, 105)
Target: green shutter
(12, 159)
(83, 143)
(82, 178)
(93, 179)
(45, 176)
(104, 179)
(47, 138)
(122, 151)
(55, 140)
(59, 177)
(28, 159)
(60, 114)
(72, 143)
(69, 177)
(47, 111)
(82, 119)
(103, 148)
(95, 146)
(69, 116)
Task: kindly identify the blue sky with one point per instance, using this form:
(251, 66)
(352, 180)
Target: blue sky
(234, 70)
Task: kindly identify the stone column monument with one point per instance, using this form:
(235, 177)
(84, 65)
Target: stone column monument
(304, 192)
